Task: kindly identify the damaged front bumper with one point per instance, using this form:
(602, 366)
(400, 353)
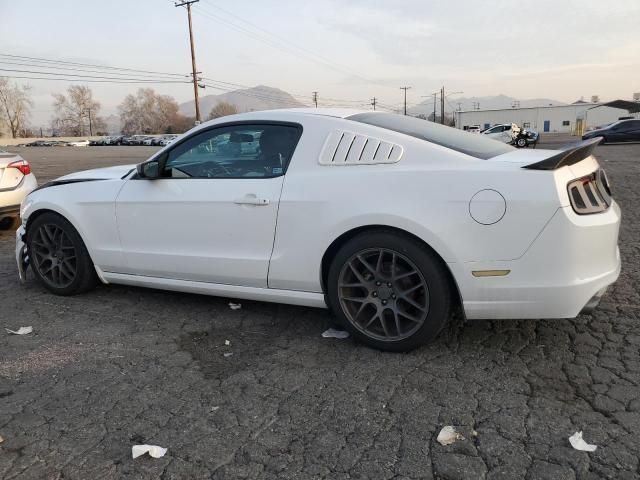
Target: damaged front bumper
(22, 257)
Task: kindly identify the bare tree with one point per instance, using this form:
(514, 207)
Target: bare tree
(147, 112)
(77, 112)
(15, 103)
(222, 109)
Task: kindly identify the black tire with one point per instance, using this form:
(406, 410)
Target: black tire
(64, 247)
(399, 328)
(521, 142)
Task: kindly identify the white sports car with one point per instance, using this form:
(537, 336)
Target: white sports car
(389, 220)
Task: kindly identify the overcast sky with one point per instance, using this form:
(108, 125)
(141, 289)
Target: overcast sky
(346, 49)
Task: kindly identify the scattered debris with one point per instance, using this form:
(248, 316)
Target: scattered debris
(213, 409)
(227, 354)
(20, 331)
(227, 343)
(1, 439)
(448, 435)
(333, 333)
(474, 433)
(578, 443)
(235, 306)
(153, 451)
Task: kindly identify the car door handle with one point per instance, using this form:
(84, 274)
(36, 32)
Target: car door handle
(252, 200)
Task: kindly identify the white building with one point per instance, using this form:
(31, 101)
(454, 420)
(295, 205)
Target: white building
(574, 118)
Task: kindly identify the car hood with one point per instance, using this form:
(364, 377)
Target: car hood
(109, 173)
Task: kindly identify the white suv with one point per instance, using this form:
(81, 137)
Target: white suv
(16, 182)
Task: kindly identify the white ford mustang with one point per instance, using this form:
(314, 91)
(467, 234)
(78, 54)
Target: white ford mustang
(389, 220)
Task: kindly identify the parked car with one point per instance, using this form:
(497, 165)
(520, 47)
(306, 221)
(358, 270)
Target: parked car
(97, 141)
(58, 143)
(167, 140)
(474, 129)
(79, 143)
(114, 140)
(16, 182)
(39, 143)
(621, 131)
(512, 134)
(388, 220)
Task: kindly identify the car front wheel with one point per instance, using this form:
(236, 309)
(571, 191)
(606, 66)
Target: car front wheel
(58, 256)
(389, 290)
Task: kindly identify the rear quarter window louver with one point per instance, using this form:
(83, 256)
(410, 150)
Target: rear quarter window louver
(345, 148)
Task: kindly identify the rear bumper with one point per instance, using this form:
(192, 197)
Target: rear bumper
(565, 270)
(10, 200)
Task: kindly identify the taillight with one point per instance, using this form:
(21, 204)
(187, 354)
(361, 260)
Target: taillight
(590, 194)
(21, 165)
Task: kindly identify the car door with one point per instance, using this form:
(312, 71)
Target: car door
(210, 216)
(632, 131)
(494, 132)
(617, 132)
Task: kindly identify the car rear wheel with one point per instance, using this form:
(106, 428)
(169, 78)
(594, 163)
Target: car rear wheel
(389, 291)
(58, 256)
(521, 142)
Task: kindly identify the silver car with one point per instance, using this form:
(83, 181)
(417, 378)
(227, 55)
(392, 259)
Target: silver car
(16, 182)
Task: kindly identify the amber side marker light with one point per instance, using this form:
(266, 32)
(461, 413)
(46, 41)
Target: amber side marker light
(490, 273)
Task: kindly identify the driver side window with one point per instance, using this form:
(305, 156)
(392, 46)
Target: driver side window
(235, 151)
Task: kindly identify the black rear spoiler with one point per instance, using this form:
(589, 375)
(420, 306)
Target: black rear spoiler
(570, 155)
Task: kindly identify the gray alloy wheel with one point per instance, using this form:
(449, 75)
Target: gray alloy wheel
(383, 294)
(54, 256)
(58, 256)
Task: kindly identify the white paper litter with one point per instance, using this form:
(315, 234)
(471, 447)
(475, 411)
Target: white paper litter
(227, 342)
(578, 443)
(153, 451)
(227, 354)
(20, 331)
(1, 439)
(333, 333)
(448, 435)
(235, 306)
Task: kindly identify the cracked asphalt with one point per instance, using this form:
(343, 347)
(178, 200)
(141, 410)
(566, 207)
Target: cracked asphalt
(122, 366)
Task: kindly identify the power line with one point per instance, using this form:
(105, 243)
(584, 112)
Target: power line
(103, 67)
(276, 41)
(24, 77)
(88, 70)
(102, 77)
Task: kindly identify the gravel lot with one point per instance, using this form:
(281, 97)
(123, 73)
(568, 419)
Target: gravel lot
(122, 366)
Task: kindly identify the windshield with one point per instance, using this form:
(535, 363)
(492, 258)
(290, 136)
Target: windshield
(478, 146)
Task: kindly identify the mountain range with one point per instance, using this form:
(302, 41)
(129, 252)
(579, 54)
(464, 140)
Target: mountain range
(485, 103)
(265, 98)
(245, 100)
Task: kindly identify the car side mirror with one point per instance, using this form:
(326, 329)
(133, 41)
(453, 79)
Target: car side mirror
(149, 170)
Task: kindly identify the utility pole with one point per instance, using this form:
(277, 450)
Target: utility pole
(90, 127)
(373, 102)
(434, 106)
(193, 56)
(315, 98)
(442, 106)
(405, 98)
